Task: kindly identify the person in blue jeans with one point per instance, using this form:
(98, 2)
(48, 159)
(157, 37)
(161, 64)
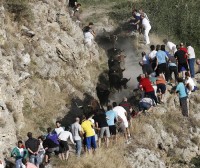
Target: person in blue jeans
(32, 145)
(77, 134)
(181, 90)
(191, 59)
(19, 153)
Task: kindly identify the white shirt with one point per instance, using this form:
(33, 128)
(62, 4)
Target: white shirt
(146, 23)
(59, 130)
(21, 151)
(88, 37)
(147, 100)
(170, 45)
(152, 54)
(65, 135)
(191, 52)
(121, 112)
(190, 82)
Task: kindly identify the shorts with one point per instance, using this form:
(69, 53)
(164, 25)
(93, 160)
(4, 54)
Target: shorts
(113, 130)
(63, 146)
(161, 88)
(51, 150)
(90, 142)
(183, 66)
(122, 127)
(161, 68)
(106, 130)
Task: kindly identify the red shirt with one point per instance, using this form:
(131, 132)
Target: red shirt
(146, 85)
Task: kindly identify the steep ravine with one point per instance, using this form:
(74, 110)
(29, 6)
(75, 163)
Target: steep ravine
(44, 64)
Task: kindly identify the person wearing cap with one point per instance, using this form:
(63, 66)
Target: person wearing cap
(77, 134)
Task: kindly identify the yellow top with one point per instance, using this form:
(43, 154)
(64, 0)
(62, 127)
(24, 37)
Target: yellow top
(87, 128)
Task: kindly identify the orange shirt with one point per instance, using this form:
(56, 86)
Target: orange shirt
(160, 80)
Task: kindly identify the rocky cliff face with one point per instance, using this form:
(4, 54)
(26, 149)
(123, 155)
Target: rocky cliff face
(44, 63)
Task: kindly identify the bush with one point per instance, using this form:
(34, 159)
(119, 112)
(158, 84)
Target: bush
(175, 19)
(20, 8)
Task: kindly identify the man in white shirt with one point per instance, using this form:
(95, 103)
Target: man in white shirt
(171, 46)
(58, 128)
(64, 148)
(147, 27)
(191, 59)
(122, 116)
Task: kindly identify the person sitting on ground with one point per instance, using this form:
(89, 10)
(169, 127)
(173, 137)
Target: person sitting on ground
(181, 90)
(146, 86)
(101, 123)
(111, 118)
(50, 144)
(77, 134)
(32, 145)
(28, 164)
(171, 46)
(87, 127)
(161, 61)
(145, 63)
(189, 83)
(152, 56)
(147, 27)
(181, 56)
(58, 128)
(191, 59)
(161, 87)
(127, 106)
(145, 105)
(64, 147)
(19, 153)
(122, 118)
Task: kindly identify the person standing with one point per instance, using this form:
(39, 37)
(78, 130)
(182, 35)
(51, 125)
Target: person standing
(19, 153)
(64, 147)
(191, 59)
(147, 27)
(58, 128)
(152, 56)
(181, 90)
(101, 124)
(87, 127)
(161, 58)
(122, 117)
(111, 117)
(77, 134)
(32, 145)
(181, 56)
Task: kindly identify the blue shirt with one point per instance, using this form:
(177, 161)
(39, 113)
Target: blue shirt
(111, 115)
(181, 90)
(161, 56)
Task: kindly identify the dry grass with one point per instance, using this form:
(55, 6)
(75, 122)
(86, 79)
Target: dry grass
(113, 157)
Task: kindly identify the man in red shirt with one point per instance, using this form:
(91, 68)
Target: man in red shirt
(146, 86)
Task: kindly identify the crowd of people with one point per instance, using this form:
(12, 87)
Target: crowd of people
(95, 129)
(160, 66)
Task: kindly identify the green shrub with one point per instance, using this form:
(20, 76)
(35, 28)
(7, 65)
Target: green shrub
(175, 19)
(20, 8)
